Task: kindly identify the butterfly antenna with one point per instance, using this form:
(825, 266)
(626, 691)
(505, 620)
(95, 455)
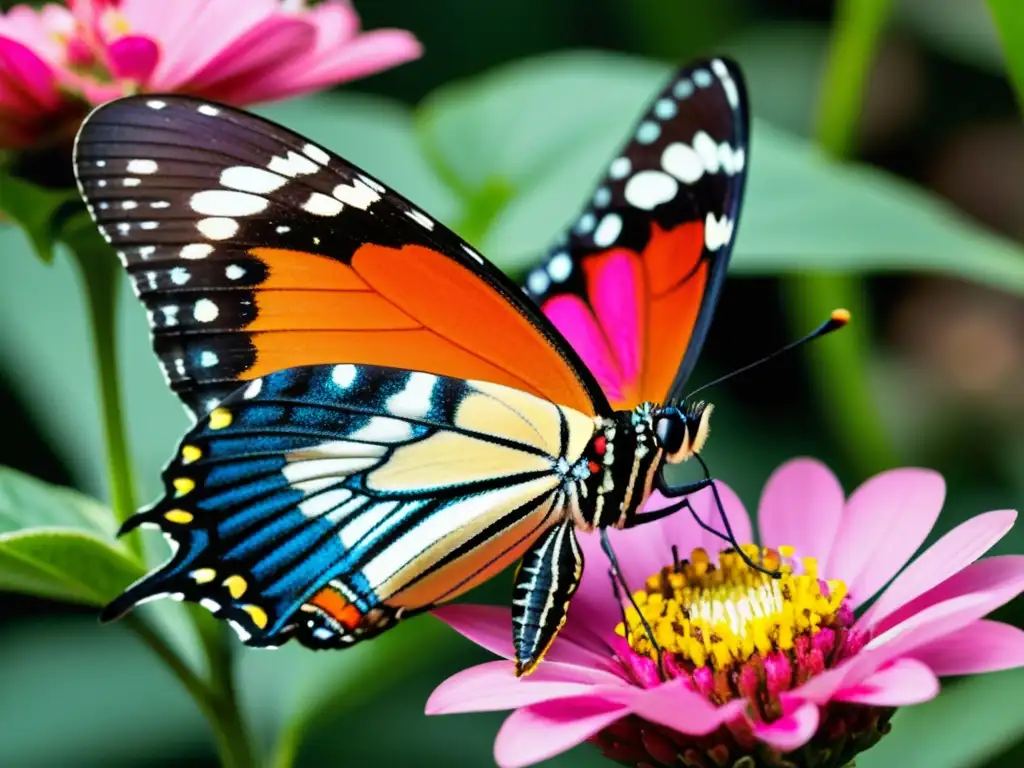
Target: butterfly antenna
(729, 536)
(838, 319)
(618, 578)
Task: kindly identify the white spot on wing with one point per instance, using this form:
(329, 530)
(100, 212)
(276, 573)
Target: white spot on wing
(217, 228)
(620, 168)
(316, 153)
(420, 218)
(129, 205)
(144, 167)
(538, 282)
(586, 223)
(129, 182)
(207, 109)
(717, 232)
(682, 162)
(343, 375)
(234, 272)
(609, 229)
(293, 165)
(473, 254)
(357, 194)
(373, 183)
(707, 149)
(665, 109)
(320, 204)
(196, 250)
(649, 189)
(180, 275)
(560, 267)
(211, 605)
(416, 398)
(648, 132)
(208, 358)
(156, 104)
(220, 202)
(381, 429)
(205, 311)
(253, 389)
(245, 178)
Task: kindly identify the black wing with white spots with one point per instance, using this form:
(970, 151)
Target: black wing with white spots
(255, 250)
(682, 171)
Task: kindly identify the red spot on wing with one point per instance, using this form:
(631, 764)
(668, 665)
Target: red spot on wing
(334, 604)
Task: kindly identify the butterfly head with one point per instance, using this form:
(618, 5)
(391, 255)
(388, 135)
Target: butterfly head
(682, 431)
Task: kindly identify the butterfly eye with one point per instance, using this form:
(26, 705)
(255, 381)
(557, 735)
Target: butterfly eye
(672, 432)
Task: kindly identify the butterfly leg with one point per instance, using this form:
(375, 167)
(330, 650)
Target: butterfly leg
(619, 579)
(545, 582)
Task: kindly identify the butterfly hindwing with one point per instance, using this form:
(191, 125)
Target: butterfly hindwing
(633, 284)
(255, 250)
(327, 502)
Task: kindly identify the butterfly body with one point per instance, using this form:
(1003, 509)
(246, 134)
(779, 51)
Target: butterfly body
(382, 419)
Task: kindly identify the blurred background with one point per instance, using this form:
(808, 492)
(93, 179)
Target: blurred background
(932, 375)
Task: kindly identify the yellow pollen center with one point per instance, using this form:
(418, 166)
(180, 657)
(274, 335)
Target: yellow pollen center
(719, 615)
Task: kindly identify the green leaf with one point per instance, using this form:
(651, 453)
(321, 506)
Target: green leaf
(33, 209)
(1009, 18)
(57, 543)
(545, 128)
(968, 724)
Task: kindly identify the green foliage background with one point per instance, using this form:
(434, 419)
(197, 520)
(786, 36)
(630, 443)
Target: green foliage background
(500, 131)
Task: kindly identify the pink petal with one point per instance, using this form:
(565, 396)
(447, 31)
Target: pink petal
(984, 646)
(368, 54)
(28, 82)
(930, 624)
(133, 58)
(902, 683)
(192, 32)
(1002, 577)
(494, 686)
(675, 705)
(949, 555)
(490, 627)
(574, 320)
(544, 730)
(253, 55)
(802, 505)
(791, 731)
(886, 520)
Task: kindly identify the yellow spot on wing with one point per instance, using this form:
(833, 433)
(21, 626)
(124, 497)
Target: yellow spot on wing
(183, 485)
(220, 418)
(179, 516)
(258, 615)
(190, 453)
(203, 575)
(236, 586)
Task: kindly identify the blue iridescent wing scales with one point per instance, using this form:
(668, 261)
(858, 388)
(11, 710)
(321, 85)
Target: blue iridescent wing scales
(327, 502)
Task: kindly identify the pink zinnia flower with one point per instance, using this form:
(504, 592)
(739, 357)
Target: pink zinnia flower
(754, 666)
(56, 61)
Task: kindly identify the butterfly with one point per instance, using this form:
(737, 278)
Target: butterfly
(383, 419)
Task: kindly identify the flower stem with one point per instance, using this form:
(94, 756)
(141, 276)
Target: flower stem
(234, 741)
(839, 367)
(216, 701)
(100, 273)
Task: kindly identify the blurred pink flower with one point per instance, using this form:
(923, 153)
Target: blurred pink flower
(752, 665)
(57, 60)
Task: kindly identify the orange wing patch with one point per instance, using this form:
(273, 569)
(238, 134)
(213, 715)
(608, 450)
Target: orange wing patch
(676, 278)
(405, 308)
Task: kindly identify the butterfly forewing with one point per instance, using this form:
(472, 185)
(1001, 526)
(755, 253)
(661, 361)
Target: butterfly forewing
(634, 282)
(326, 502)
(256, 250)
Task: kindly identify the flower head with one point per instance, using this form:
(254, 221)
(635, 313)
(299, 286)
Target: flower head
(746, 669)
(56, 61)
